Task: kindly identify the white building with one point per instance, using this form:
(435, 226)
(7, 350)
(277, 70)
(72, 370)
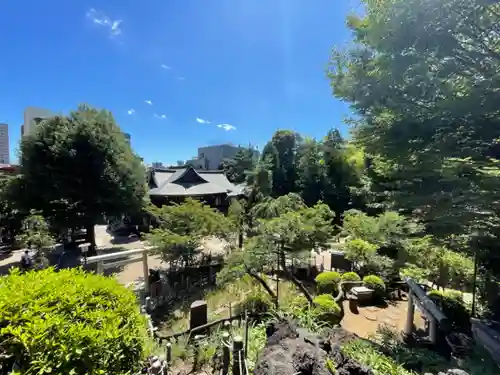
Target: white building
(211, 157)
(32, 115)
(4, 144)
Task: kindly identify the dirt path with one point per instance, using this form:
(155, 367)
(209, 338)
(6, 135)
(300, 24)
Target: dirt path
(365, 322)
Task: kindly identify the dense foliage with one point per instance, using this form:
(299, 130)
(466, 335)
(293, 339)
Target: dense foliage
(70, 322)
(77, 168)
(421, 76)
(182, 227)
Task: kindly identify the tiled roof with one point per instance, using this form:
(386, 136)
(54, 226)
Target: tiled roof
(189, 182)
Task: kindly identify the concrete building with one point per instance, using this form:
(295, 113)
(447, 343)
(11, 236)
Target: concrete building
(211, 157)
(4, 144)
(32, 116)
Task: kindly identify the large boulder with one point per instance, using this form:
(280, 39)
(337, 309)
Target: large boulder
(290, 350)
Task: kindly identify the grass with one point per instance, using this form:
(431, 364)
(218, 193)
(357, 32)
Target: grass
(225, 298)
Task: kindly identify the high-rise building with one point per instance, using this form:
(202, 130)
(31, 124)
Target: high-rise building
(32, 116)
(4, 144)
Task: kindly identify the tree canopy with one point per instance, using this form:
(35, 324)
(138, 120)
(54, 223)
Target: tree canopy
(77, 168)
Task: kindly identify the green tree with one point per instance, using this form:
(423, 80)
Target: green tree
(237, 168)
(422, 77)
(287, 229)
(285, 143)
(310, 171)
(77, 168)
(182, 228)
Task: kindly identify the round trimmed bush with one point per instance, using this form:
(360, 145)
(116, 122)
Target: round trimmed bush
(327, 281)
(376, 283)
(70, 322)
(326, 309)
(350, 276)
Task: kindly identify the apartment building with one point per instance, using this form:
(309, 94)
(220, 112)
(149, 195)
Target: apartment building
(32, 116)
(4, 144)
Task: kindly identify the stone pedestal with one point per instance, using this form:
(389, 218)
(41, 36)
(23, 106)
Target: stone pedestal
(198, 315)
(363, 294)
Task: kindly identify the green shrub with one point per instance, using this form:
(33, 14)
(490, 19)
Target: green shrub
(299, 304)
(70, 322)
(326, 309)
(454, 308)
(256, 303)
(350, 276)
(376, 283)
(327, 281)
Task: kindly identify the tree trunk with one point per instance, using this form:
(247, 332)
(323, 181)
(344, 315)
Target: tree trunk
(262, 282)
(294, 280)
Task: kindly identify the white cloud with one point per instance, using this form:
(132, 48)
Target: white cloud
(226, 127)
(131, 111)
(166, 67)
(148, 102)
(161, 117)
(99, 18)
(202, 121)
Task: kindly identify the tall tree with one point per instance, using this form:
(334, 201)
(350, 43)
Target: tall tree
(284, 175)
(237, 168)
(339, 175)
(77, 168)
(423, 76)
(310, 171)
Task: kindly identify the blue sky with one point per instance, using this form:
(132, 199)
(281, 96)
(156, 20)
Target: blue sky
(177, 74)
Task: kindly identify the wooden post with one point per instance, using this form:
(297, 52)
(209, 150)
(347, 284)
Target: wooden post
(433, 331)
(225, 353)
(246, 332)
(169, 354)
(410, 315)
(238, 361)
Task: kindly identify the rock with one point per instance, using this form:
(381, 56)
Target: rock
(290, 350)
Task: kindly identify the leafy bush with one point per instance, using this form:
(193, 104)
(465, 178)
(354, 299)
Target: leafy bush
(327, 281)
(358, 250)
(326, 309)
(256, 302)
(350, 276)
(70, 322)
(376, 283)
(454, 308)
(299, 303)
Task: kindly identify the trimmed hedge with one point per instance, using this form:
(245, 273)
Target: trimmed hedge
(327, 281)
(326, 309)
(350, 276)
(70, 322)
(376, 283)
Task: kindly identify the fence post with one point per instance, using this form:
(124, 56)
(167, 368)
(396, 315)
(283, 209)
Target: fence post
(246, 332)
(238, 360)
(225, 353)
(145, 270)
(100, 267)
(169, 354)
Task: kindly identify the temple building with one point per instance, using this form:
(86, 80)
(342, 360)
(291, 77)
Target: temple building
(173, 185)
